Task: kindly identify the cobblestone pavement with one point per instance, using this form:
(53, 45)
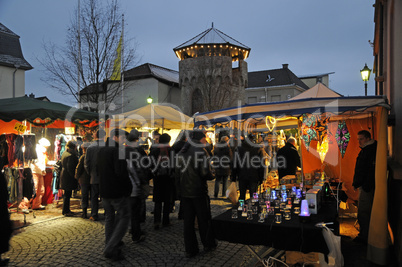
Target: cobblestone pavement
(50, 239)
(73, 241)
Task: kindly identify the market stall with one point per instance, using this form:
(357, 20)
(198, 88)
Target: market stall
(153, 117)
(327, 129)
(23, 122)
(331, 123)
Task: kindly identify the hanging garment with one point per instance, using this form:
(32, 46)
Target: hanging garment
(28, 184)
(20, 183)
(18, 143)
(47, 181)
(7, 177)
(63, 143)
(57, 147)
(11, 175)
(29, 143)
(10, 143)
(4, 149)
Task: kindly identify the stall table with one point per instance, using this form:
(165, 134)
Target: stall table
(292, 235)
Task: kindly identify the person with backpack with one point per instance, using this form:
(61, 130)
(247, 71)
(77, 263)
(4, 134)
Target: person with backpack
(163, 180)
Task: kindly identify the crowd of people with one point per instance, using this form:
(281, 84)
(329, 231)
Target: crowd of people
(118, 168)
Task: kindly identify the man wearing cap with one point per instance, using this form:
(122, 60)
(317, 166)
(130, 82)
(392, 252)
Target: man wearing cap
(193, 170)
(114, 188)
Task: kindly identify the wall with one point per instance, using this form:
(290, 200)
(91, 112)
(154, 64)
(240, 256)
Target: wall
(169, 94)
(137, 92)
(388, 53)
(6, 82)
(272, 93)
(194, 71)
(310, 82)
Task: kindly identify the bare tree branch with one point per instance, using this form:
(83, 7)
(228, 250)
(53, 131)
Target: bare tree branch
(87, 58)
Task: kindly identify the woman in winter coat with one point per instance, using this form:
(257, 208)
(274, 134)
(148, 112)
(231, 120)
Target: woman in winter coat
(83, 178)
(68, 183)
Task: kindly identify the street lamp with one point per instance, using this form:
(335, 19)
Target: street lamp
(149, 99)
(365, 72)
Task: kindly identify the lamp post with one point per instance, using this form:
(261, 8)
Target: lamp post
(149, 99)
(365, 72)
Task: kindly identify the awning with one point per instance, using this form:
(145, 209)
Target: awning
(41, 112)
(154, 116)
(255, 114)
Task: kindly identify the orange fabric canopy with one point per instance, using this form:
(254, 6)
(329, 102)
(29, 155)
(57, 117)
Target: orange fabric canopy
(334, 165)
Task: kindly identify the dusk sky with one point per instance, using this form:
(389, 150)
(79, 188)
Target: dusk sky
(312, 36)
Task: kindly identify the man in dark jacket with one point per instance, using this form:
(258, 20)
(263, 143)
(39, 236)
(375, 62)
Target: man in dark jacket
(222, 163)
(364, 180)
(138, 161)
(90, 166)
(193, 169)
(115, 188)
(68, 183)
(163, 190)
(288, 159)
(177, 146)
(248, 166)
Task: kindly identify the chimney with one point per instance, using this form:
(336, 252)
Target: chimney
(285, 66)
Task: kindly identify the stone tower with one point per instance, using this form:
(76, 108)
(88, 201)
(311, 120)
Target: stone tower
(212, 72)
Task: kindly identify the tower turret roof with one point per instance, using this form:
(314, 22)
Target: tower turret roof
(212, 36)
(212, 42)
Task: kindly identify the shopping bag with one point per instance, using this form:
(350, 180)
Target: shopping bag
(335, 257)
(231, 193)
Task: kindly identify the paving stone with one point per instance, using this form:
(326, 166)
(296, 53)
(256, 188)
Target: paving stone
(73, 241)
